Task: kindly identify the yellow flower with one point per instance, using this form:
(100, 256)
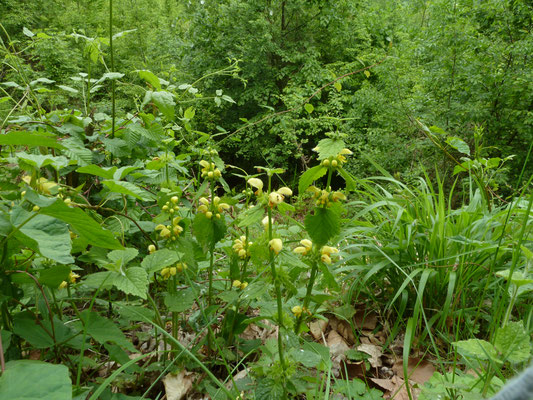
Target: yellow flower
(336, 196)
(241, 247)
(72, 276)
(264, 221)
(326, 253)
(276, 245)
(297, 311)
(151, 249)
(165, 232)
(165, 273)
(63, 285)
(278, 196)
(174, 199)
(305, 248)
(243, 285)
(285, 191)
(181, 267)
(256, 183)
(236, 283)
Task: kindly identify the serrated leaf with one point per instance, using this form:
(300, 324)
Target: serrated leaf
(478, 349)
(124, 256)
(77, 151)
(53, 276)
(458, 144)
(518, 277)
(68, 89)
(165, 103)
(323, 224)
(309, 176)
(150, 134)
(129, 189)
(133, 281)
(251, 216)
(180, 301)
(97, 171)
(329, 148)
(512, 342)
(32, 380)
(27, 32)
(208, 231)
(309, 107)
(151, 78)
(160, 259)
(269, 389)
(103, 330)
(50, 236)
(27, 139)
(189, 113)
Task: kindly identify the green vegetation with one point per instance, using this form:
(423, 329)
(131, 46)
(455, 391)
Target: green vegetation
(265, 199)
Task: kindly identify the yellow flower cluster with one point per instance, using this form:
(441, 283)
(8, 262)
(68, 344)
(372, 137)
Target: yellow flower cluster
(72, 276)
(170, 231)
(326, 252)
(278, 196)
(43, 185)
(171, 206)
(324, 197)
(239, 285)
(241, 247)
(305, 248)
(167, 272)
(209, 170)
(337, 160)
(218, 207)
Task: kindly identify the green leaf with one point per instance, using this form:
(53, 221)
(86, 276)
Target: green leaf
(83, 224)
(329, 148)
(38, 161)
(160, 259)
(110, 76)
(133, 281)
(77, 151)
(97, 171)
(312, 174)
(478, 349)
(309, 107)
(103, 330)
(208, 231)
(324, 224)
(35, 380)
(40, 335)
(27, 139)
(518, 277)
(50, 236)
(512, 342)
(68, 89)
(27, 32)
(269, 389)
(251, 216)
(189, 113)
(458, 144)
(129, 189)
(337, 85)
(151, 78)
(151, 134)
(124, 256)
(53, 276)
(180, 301)
(165, 102)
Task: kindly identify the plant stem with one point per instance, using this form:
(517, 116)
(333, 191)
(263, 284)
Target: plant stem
(112, 68)
(307, 299)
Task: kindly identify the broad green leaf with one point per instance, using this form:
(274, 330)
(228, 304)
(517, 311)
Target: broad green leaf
(189, 113)
(103, 330)
(53, 276)
(150, 134)
(27, 32)
(458, 144)
(180, 301)
(309, 107)
(165, 102)
(323, 224)
(329, 148)
(40, 335)
(133, 281)
(478, 349)
(160, 259)
(518, 277)
(512, 342)
(151, 78)
(97, 171)
(123, 256)
(35, 380)
(251, 216)
(68, 89)
(83, 224)
(38, 161)
(312, 174)
(111, 76)
(27, 139)
(269, 389)
(77, 151)
(41, 80)
(208, 231)
(50, 236)
(129, 189)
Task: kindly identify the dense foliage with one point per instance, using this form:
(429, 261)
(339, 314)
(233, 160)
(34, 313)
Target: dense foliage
(265, 199)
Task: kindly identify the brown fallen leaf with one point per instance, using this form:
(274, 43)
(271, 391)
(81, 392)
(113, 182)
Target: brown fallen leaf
(337, 349)
(178, 385)
(419, 370)
(399, 392)
(366, 320)
(317, 328)
(374, 352)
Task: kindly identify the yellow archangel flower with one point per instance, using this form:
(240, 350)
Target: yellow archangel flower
(256, 183)
(305, 248)
(209, 170)
(297, 311)
(278, 196)
(276, 245)
(326, 253)
(164, 230)
(241, 247)
(43, 184)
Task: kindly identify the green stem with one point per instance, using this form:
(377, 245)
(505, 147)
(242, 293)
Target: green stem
(276, 281)
(112, 68)
(307, 299)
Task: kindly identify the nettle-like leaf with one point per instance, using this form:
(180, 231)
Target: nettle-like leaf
(181, 300)
(512, 342)
(160, 259)
(30, 139)
(96, 170)
(151, 78)
(164, 102)
(458, 144)
(323, 224)
(477, 349)
(133, 281)
(329, 148)
(311, 175)
(103, 330)
(129, 189)
(124, 256)
(208, 231)
(31, 379)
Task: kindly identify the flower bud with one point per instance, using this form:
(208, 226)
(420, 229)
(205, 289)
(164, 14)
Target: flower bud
(276, 245)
